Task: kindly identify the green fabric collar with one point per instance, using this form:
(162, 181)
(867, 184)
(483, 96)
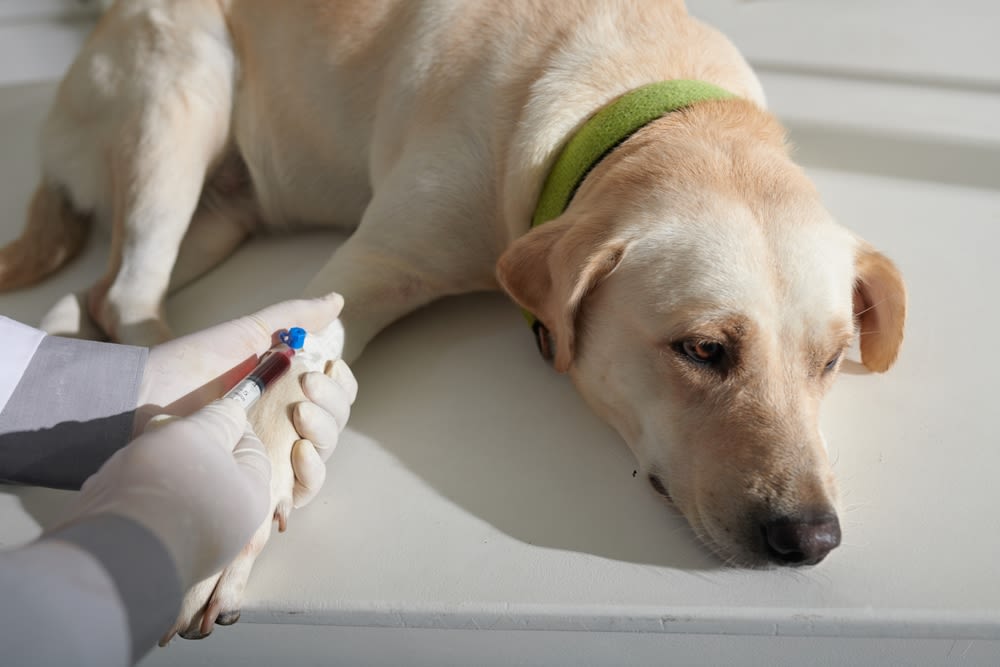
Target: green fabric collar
(610, 127)
(600, 135)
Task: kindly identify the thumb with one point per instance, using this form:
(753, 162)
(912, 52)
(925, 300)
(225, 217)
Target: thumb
(310, 314)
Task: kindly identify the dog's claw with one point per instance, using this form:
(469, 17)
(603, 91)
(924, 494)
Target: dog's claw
(195, 634)
(281, 513)
(217, 600)
(208, 618)
(228, 617)
(165, 639)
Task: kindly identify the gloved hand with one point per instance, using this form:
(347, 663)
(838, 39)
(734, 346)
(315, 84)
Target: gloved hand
(186, 373)
(332, 393)
(201, 484)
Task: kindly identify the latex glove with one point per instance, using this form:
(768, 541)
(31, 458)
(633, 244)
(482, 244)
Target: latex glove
(201, 484)
(332, 393)
(186, 373)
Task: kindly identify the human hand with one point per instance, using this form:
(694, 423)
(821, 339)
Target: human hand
(332, 394)
(188, 372)
(201, 484)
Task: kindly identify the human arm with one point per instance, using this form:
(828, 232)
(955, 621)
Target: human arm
(77, 402)
(66, 405)
(164, 512)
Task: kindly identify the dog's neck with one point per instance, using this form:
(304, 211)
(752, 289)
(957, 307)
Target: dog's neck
(609, 128)
(600, 135)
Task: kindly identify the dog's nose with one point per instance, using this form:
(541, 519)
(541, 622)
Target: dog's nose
(803, 539)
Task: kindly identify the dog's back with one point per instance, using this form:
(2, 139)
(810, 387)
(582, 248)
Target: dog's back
(322, 100)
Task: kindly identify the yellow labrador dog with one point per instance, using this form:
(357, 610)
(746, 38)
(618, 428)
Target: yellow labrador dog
(694, 288)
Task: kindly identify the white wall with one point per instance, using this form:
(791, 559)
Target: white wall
(38, 38)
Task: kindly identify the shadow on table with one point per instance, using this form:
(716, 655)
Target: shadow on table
(478, 415)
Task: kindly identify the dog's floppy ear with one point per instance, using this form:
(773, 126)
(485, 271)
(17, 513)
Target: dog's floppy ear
(880, 307)
(551, 269)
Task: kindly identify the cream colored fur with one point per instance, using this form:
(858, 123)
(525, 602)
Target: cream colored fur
(428, 127)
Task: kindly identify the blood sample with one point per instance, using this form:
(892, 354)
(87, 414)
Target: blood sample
(272, 365)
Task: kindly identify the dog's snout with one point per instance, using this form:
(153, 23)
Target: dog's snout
(803, 539)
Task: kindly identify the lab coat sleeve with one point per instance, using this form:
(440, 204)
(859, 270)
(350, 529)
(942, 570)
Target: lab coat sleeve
(71, 405)
(18, 343)
(99, 591)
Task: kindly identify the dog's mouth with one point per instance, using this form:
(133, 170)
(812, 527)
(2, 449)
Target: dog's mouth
(659, 486)
(780, 543)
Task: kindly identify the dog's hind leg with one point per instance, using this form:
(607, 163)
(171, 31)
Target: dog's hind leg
(226, 214)
(157, 186)
(140, 120)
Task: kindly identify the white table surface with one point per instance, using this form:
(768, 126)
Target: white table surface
(473, 489)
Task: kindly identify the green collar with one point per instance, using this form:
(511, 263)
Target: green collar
(600, 135)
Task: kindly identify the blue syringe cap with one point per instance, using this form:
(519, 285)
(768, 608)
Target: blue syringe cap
(294, 338)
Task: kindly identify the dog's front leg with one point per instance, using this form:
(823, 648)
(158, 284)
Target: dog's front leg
(411, 248)
(218, 599)
(408, 251)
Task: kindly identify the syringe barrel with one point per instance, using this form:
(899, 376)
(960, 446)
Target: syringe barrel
(272, 365)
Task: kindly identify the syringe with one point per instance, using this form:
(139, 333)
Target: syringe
(272, 365)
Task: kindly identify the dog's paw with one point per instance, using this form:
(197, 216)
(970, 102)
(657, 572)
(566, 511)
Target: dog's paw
(219, 599)
(127, 317)
(145, 333)
(193, 606)
(69, 318)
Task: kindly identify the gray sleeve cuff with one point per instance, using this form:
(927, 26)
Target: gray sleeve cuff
(72, 409)
(142, 570)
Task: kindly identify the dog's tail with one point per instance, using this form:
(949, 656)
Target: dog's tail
(54, 235)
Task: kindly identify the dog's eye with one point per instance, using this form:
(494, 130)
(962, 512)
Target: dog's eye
(703, 351)
(830, 365)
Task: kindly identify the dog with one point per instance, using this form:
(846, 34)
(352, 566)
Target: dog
(695, 289)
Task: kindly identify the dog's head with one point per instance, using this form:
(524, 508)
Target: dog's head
(702, 300)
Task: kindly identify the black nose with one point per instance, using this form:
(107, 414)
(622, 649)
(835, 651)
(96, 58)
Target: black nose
(803, 539)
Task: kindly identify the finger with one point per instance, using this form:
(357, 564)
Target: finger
(310, 314)
(318, 426)
(329, 394)
(342, 374)
(310, 472)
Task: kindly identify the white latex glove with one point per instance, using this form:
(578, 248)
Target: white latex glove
(186, 373)
(319, 423)
(201, 484)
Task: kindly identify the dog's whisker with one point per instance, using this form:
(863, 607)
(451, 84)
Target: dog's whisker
(850, 509)
(871, 307)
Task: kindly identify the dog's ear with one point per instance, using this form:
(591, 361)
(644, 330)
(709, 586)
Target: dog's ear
(552, 268)
(880, 307)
